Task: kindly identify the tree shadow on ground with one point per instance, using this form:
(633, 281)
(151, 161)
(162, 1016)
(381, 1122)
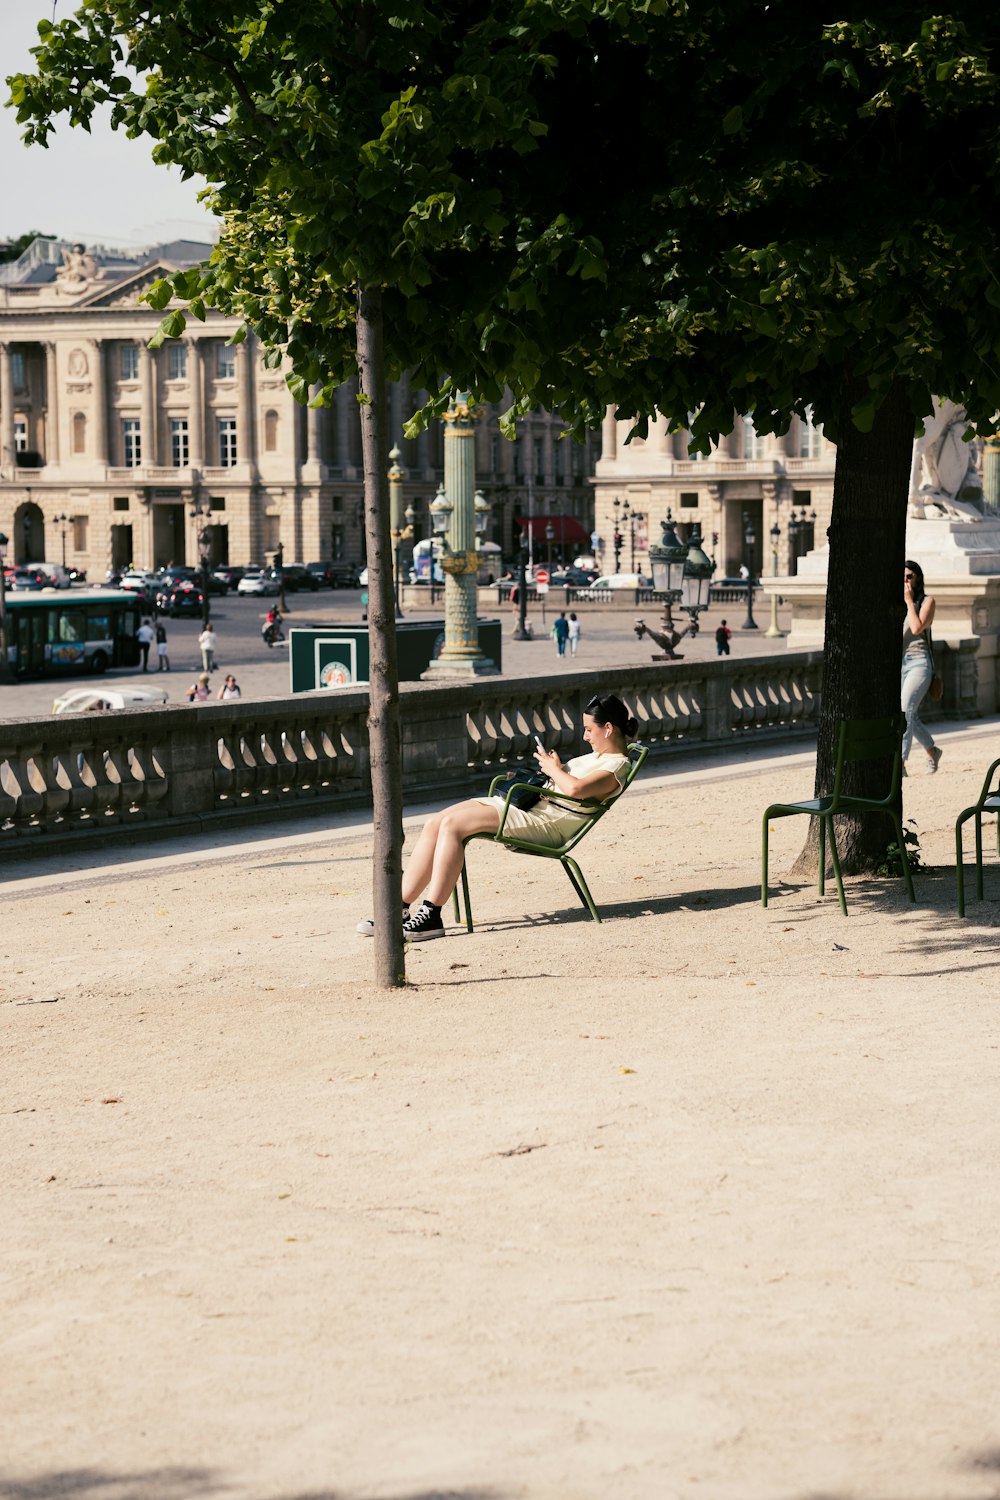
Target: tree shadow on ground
(179, 1483)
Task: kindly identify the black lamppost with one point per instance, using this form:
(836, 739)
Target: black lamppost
(618, 536)
(521, 633)
(63, 522)
(401, 534)
(550, 536)
(279, 568)
(200, 511)
(4, 662)
(749, 542)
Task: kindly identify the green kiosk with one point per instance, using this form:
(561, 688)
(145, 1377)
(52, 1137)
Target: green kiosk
(336, 656)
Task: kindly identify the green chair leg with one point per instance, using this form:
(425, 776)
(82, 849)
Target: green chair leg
(579, 884)
(822, 856)
(838, 875)
(763, 859)
(903, 856)
(979, 856)
(960, 867)
(465, 897)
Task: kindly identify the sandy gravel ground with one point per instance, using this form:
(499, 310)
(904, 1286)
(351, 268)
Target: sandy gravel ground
(700, 1202)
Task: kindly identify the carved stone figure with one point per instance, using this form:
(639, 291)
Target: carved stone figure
(944, 480)
(77, 362)
(78, 267)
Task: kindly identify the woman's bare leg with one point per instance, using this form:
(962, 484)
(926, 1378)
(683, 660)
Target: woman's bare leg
(438, 855)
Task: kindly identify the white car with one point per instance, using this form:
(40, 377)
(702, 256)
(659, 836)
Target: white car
(108, 700)
(621, 581)
(258, 583)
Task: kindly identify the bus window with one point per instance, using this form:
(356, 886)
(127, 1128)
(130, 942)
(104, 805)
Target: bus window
(98, 627)
(72, 625)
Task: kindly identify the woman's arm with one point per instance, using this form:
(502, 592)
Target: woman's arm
(917, 620)
(594, 788)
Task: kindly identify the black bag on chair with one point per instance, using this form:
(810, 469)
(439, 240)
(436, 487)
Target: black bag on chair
(527, 777)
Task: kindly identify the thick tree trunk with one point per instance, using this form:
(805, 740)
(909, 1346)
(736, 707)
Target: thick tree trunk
(383, 702)
(864, 612)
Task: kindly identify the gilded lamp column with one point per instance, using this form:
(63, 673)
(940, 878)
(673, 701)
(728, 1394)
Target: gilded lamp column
(460, 654)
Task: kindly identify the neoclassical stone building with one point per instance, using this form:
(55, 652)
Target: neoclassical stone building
(766, 479)
(107, 446)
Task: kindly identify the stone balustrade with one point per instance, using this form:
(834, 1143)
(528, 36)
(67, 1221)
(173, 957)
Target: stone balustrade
(67, 779)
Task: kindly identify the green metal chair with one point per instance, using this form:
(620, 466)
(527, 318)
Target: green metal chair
(595, 812)
(989, 802)
(857, 739)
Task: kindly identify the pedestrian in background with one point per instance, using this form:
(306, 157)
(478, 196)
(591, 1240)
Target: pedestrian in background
(722, 635)
(161, 647)
(561, 630)
(574, 634)
(144, 635)
(198, 691)
(229, 689)
(207, 643)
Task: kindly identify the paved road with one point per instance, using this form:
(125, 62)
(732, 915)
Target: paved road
(608, 641)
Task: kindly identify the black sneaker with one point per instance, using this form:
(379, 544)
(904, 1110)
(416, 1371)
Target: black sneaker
(367, 927)
(425, 924)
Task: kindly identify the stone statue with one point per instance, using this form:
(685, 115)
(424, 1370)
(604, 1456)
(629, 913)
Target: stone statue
(944, 480)
(78, 267)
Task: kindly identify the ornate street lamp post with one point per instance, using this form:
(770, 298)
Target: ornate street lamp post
(199, 514)
(397, 531)
(772, 630)
(4, 659)
(63, 521)
(455, 515)
(618, 536)
(683, 572)
(749, 542)
(550, 536)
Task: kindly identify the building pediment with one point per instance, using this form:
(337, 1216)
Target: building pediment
(126, 293)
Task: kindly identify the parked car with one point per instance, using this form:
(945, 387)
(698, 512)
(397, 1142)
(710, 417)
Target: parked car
(258, 582)
(185, 599)
(297, 578)
(108, 700)
(335, 575)
(732, 583)
(621, 581)
(229, 576)
(573, 578)
(28, 578)
(58, 576)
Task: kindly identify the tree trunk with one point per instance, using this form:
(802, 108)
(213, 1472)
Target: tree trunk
(383, 700)
(864, 613)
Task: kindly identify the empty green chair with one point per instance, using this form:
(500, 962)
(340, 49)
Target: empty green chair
(989, 802)
(857, 739)
(562, 852)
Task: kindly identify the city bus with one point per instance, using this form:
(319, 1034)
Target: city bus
(53, 633)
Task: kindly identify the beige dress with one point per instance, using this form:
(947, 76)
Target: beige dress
(550, 822)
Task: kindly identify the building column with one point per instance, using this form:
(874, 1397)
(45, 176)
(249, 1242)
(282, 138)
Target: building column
(100, 404)
(609, 434)
(147, 406)
(246, 427)
(344, 400)
(53, 452)
(196, 411)
(7, 460)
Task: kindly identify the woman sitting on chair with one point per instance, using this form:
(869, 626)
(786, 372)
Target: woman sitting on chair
(439, 853)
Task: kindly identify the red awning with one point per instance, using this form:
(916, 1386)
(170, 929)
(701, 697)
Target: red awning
(564, 528)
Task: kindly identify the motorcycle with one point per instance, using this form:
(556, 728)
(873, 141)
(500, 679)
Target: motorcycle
(272, 633)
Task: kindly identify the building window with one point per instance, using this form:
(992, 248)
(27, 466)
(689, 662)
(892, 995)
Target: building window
(217, 502)
(753, 443)
(177, 361)
(179, 442)
(689, 499)
(18, 373)
(227, 442)
(20, 435)
(79, 432)
(337, 502)
(518, 459)
(79, 533)
(225, 361)
(810, 437)
(557, 460)
(128, 362)
(120, 502)
(270, 431)
(132, 442)
(337, 543)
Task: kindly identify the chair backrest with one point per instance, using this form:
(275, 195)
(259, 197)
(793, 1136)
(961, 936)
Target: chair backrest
(870, 739)
(636, 755)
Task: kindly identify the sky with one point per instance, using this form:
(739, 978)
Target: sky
(100, 187)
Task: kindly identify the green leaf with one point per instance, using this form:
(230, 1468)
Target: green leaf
(732, 120)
